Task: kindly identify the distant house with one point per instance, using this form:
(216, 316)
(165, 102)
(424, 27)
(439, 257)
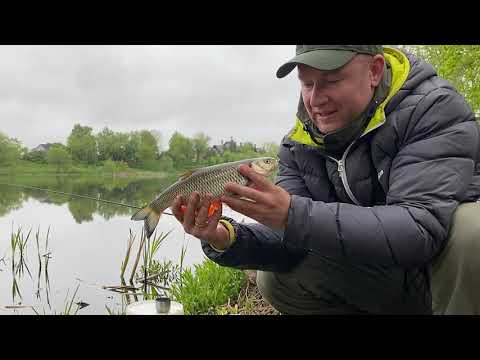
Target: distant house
(220, 149)
(230, 145)
(43, 147)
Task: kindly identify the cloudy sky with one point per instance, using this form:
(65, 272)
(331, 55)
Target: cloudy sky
(223, 91)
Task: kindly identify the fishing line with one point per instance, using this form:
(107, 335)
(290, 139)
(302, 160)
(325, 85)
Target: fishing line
(79, 196)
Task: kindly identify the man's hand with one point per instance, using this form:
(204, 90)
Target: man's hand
(271, 202)
(196, 222)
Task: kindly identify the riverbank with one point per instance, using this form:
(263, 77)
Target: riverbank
(249, 301)
(27, 168)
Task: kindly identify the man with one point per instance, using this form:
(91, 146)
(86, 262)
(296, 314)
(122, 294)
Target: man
(382, 153)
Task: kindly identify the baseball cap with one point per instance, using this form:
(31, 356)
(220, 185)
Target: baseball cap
(326, 57)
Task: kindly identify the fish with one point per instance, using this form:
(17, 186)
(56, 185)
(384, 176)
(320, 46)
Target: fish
(210, 179)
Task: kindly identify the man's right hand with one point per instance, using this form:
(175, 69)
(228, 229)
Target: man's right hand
(195, 220)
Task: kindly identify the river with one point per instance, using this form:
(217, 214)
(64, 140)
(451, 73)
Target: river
(86, 243)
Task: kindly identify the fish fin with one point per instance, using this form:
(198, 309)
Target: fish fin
(151, 223)
(214, 206)
(142, 213)
(150, 217)
(187, 174)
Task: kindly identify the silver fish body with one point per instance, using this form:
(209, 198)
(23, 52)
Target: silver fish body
(211, 179)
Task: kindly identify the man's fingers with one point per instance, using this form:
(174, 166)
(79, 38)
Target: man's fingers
(244, 191)
(202, 216)
(189, 217)
(259, 181)
(176, 208)
(242, 206)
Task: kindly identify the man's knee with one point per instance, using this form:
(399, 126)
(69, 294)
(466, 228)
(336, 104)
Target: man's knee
(265, 285)
(464, 236)
(454, 274)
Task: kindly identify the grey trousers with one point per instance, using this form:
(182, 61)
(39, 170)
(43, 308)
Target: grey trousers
(320, 285)
(456, 273)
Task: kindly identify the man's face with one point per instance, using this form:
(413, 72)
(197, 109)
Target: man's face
(335, 98)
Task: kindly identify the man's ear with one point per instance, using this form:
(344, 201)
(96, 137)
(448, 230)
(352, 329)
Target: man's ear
(376, 69)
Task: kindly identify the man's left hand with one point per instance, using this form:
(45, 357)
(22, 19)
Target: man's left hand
(271, 202)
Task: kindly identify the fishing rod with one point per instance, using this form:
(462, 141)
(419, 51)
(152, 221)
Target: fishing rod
(78, 196)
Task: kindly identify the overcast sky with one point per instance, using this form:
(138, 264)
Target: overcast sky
(223, 91)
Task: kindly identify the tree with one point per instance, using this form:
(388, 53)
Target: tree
(107, 146)
(158, 137)
(458, 64)
(147, 152)
(10, 150)
(59, 156)
(39, 157)
(200, 146)
(165, 163)
(181, 149)
(271, 149)
(82, 144)
(247, 148)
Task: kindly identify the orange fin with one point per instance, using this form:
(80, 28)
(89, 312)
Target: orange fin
(214, 207)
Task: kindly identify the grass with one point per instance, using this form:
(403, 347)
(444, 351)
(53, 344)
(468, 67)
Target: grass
(210, 285)
(203, 289)
(18, 243)
(68, 304)
(30, 168)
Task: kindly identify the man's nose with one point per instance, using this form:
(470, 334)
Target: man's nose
(319, 97)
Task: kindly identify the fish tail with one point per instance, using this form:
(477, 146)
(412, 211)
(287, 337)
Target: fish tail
(150, 217)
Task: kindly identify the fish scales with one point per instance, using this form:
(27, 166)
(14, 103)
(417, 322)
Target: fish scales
(206, 180)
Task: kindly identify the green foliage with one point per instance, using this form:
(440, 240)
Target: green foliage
(112, 167)
(82, 145)
(458, 64)
(181, 150)
(207, 287)
(200, 146)
(271, 149)
(10, 150)
(58, 156)
(108, 145)
(68, 304)
(39, 157)
(165, 163)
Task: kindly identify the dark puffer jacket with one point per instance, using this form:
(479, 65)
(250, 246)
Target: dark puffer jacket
(388, 202)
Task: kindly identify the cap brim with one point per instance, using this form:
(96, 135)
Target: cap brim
(318, 59)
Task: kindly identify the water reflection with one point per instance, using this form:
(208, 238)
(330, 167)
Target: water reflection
(122, 190)
(75, 253)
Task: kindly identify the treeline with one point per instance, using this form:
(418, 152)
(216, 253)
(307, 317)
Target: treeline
(184, 151)
(117, 151)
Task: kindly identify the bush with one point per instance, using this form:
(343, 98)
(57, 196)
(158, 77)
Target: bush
(39, 157)
(209, 286)
(59, 156)
(165, 163)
